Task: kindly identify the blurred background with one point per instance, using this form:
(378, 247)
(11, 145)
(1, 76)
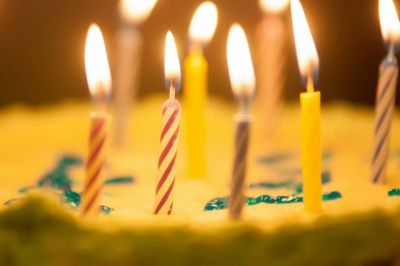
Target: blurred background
(42, 46)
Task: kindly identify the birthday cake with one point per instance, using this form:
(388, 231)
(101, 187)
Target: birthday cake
(43, 156)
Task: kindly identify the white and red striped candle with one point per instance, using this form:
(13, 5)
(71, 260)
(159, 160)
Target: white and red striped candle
(95, 164)
(99, 81)
(242, 79)
(386, 92)
(171, 113)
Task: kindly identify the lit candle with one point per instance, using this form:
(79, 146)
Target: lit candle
(132, 13)
(99, 81)
(242, 79)
(270, 65)
(386, 92)
(201, 31)
(171, 115)
(310, 111)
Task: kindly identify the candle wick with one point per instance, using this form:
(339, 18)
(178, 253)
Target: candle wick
(196, 47)
(172, 91)
(391, 51)
(101, 99)
(244, 103)
(310, 83)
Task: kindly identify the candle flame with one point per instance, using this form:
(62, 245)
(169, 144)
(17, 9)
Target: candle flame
(240, 66)
(204, 23)
(96, 62)
(136, 11)
(171, 63)
(307, 56)
(273, 6)
(389, 19)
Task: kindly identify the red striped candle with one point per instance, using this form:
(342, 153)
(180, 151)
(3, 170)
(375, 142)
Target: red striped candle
(171, 117)
(95, 164)
(171, 112)
(99, 81)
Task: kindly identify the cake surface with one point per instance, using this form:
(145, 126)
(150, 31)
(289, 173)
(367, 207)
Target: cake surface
(35, 140)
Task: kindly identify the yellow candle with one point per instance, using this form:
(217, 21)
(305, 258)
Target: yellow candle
(311, 158)
(195, 89)
(311, 150)
(201, 31)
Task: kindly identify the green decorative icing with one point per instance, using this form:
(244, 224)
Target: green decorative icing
(222, 202)
(288, 199)
(106, 210)
(24, 190)
(274, 158)
(72, 198)
(325, 178)
(217, 204)
(272, 185)
(280, 157)
(331, 196)
(59, 179)
(120, 180)
(394, 192)
(70, 160)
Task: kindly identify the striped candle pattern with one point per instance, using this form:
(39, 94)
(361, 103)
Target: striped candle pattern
(236, 199)
(95, 165)
(171, 112)
(385, 99)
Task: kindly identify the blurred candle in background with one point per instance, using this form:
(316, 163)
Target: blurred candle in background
(128, 57)
(242, 79)
(201, 31)
(171, 116)
(99, 81)
(311, 157)
(271, 66)
(386, 91)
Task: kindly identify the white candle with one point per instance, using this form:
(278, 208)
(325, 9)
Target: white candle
(270, 65)
(133, 13)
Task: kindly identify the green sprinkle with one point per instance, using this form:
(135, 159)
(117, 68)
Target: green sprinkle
(57, 179)
(24, 190)
(216, 204)
(70, 160)
(106, 210)
(331, 196)
(288, 199)
(222, 202)
(72, 198)
(265, 199)
(394, 192)
(120, 180)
